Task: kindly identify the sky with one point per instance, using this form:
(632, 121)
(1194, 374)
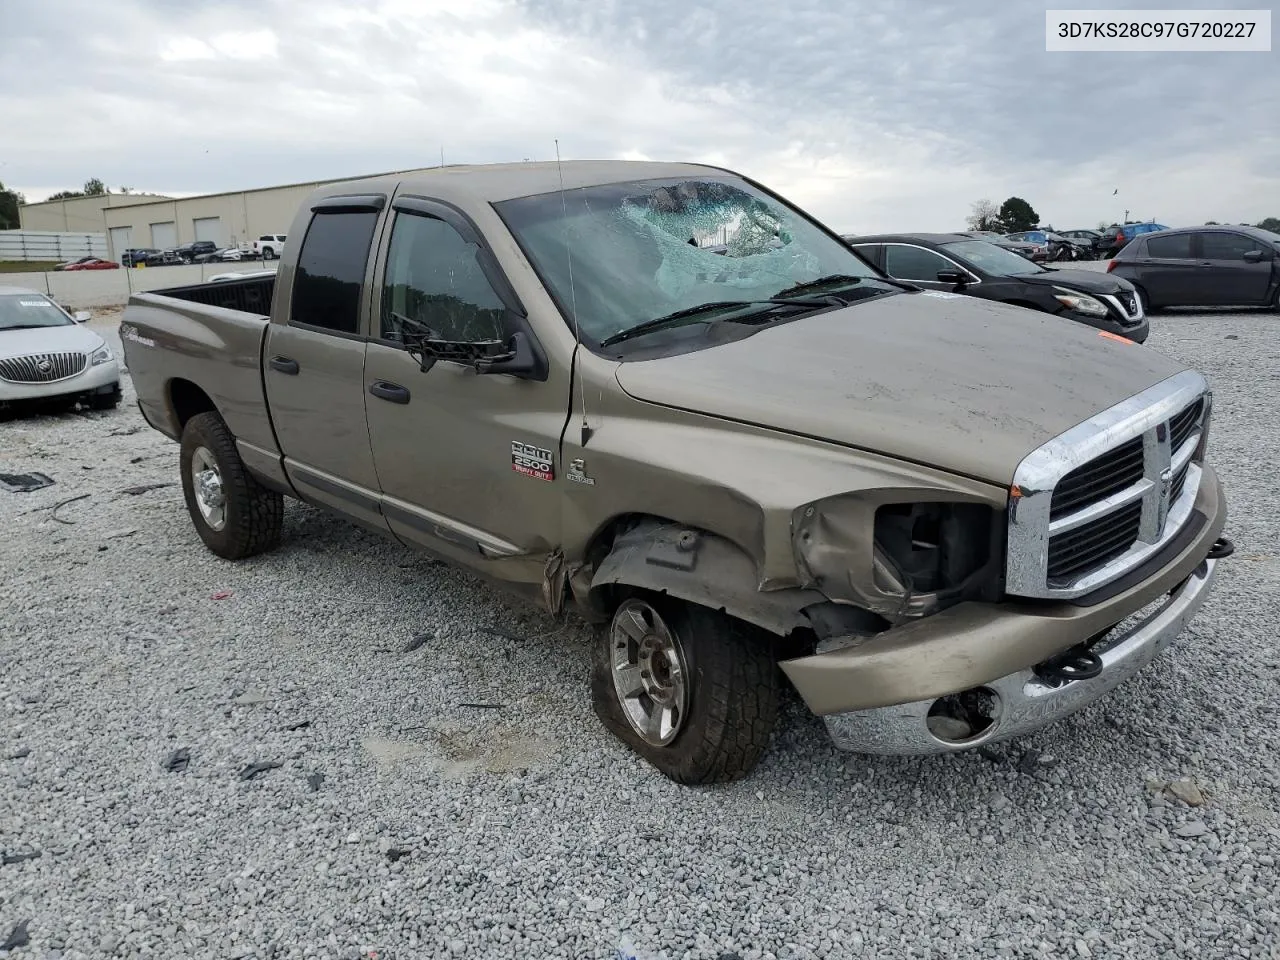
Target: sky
(873, 116)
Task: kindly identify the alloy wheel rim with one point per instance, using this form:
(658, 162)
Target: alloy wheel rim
(206, 482)
(650, 675)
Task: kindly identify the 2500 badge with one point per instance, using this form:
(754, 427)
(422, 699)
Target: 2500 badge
(532, 461)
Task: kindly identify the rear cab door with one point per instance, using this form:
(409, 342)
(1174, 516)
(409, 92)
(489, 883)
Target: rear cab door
(468, 462)
(314, 357)
(1167, 269)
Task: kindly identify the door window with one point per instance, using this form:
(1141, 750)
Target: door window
(1176, 246)
(433, 277)
(1226, 246)
(914, 263)
(331, 265)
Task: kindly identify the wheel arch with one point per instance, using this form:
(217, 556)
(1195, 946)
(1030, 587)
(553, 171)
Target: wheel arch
(689, 563)
(185, 399)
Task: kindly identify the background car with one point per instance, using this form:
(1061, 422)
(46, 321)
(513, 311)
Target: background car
(1093, 239)
(269, 246)
(1202, 267)
(978, 268)
(72, 262)
(164, 258)
(196, 248)
(1037, 239)
(136, 255)
(1025, 249)
(1117, 235)
(48, 356)
(93, 263)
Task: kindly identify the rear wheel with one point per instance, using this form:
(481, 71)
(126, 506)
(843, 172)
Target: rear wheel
(691, 690)
(235, 515)
(268, 253)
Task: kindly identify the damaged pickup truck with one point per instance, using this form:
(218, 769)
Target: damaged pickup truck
(664, 398)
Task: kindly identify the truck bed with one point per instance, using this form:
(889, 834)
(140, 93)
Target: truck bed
(200, 346)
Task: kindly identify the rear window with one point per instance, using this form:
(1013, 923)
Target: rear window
(331, 265)
(1176, 246)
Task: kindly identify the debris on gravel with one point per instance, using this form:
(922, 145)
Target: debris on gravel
(529, 831)
(1187, 791)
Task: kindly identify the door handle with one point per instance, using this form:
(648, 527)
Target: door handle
(389, 391)
(284, 365)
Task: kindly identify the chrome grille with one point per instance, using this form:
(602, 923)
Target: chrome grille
(42, 367)
(1109, 473)
(1101, 498)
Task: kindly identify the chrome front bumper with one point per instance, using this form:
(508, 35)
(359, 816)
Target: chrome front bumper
(1024, 702)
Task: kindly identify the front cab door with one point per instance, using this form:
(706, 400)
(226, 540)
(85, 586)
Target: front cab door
(467, 461)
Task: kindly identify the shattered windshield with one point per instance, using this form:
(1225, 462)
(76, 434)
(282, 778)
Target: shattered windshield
(25, 311)
(647, 249)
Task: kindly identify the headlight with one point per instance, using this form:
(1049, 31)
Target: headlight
(101, 355)
(1080, 302)
(900, 560)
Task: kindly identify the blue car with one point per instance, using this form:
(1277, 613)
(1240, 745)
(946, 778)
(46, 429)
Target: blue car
(1121, 234)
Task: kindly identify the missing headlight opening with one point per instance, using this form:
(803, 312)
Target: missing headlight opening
(935, 547)
(900, 560)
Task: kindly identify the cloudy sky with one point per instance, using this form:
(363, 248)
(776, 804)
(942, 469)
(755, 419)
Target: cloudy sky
(872, 115)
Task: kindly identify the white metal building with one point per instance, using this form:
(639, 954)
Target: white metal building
(228, 219)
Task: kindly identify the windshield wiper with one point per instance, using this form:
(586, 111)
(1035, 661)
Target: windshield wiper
(30, 326)
(673, 319)
(834, 279)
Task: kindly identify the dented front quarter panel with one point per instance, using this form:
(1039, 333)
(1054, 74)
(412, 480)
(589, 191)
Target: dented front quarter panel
(742, 482)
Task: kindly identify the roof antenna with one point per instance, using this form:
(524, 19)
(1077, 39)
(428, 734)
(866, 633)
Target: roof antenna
(573, 300)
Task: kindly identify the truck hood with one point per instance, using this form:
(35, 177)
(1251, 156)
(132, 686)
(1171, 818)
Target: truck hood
(962, 384)
(1086, 281)
(65, 339)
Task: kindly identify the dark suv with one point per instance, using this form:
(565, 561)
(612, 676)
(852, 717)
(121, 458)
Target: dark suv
(189, 251)
(1203, 267)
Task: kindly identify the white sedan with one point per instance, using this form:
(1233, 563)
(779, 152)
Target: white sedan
(46, 354)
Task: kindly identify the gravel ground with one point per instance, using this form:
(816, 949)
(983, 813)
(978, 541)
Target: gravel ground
(460, 799)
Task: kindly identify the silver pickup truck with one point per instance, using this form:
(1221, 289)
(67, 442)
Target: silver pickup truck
(664, 398)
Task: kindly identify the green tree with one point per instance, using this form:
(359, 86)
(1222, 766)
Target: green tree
(93, 187)
(10, 200)
(1017, 216)
(1270, 223)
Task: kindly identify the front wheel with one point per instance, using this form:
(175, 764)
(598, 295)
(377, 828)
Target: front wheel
(235, 515)
(691, 690)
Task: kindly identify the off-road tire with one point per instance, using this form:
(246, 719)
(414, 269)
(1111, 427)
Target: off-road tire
(733, 698)
(254, 514)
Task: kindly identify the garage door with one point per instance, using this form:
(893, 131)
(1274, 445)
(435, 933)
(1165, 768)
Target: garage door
(121, 240)
(163, 235)
(209, 228)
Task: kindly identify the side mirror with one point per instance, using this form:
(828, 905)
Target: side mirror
(1255, 256)
(82, 316)
(958, 277)
(520, 359)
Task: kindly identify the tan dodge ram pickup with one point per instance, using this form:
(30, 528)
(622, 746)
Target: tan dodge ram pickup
(664, 398)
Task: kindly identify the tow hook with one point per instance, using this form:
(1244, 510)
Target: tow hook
(1078, 663)
(1222, 547)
